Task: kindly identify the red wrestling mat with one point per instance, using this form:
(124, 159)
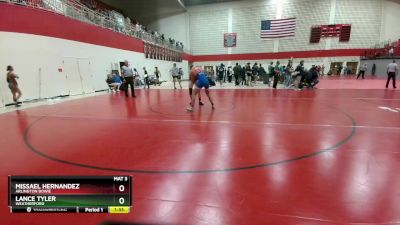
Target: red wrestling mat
(262, 157)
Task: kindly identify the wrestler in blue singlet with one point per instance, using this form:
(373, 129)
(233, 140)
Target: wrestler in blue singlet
(202, 80)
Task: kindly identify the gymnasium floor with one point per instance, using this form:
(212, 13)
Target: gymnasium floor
(324, 156)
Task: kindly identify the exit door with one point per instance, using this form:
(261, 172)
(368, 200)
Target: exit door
(336, 68)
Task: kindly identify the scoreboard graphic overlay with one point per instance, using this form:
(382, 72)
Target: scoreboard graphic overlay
(70, 194)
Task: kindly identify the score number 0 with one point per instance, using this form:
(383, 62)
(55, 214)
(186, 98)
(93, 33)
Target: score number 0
(121, 200)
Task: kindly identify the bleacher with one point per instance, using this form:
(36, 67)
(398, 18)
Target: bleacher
(109, 19)
(384, 50)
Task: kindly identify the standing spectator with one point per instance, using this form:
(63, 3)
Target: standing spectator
(392, 70)
(277, 71)
(282, 74)
(339, 70)
(146, 78)
(243, 75)
(270, 73)
(254, 71)
(322, 70)
(13, 85)
(288, 74)
(175, 74)
(229, 74)
(158, 75)
(249, 74)
(136, 77)
(180, 74)
(363, 68)
(221, 73)
(212, 74)
(236, 72)
(262, 73)
(127, 75)
(373, 70)
(345, 70)
(300, 74)
(391, 52)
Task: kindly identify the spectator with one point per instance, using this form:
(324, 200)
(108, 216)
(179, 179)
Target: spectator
(254, 72)
(158, 76)
(229, 73)
(373, 70)
(339, 70)
(243, 75)
(146, 78)
(136, 76)
(277, 71)
(262, 73)
(174, 71)
(249, 74)
(236, 72)
(180, 74)
(288, 74)
(391, 52)
(270, 73)
(115, 83)
(221, 73)
(300, 75)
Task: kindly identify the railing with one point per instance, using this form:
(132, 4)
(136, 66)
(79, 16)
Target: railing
(108, 19)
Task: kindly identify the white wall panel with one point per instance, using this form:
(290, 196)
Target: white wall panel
(390, 21)
(206, 31)
(209, 22)
(246, 23)
(30, 54)
(365, 17)
(305, 20)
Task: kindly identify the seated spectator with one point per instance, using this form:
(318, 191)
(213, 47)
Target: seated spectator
(114, 82)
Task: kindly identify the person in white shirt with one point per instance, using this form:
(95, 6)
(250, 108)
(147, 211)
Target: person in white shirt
(363, 68)
(174, 71)
(392, 70)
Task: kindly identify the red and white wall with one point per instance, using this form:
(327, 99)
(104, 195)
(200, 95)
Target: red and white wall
(52, 54)
(372, 21)
(55, 55)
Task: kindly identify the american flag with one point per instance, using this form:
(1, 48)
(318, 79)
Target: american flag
(278, 28)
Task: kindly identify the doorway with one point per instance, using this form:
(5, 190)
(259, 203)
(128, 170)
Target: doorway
(78, 76)
(351, 67)
(336, 68)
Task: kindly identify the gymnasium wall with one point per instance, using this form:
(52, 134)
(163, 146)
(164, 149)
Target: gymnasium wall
(390, 21)
(381, 66)
(244, 17)
(49, 51)
(175, 26)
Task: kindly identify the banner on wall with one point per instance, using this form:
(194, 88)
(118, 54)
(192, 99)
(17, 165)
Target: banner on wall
(230, 40)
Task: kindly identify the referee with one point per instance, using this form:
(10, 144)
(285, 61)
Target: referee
(392, 70)
(127, 74)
